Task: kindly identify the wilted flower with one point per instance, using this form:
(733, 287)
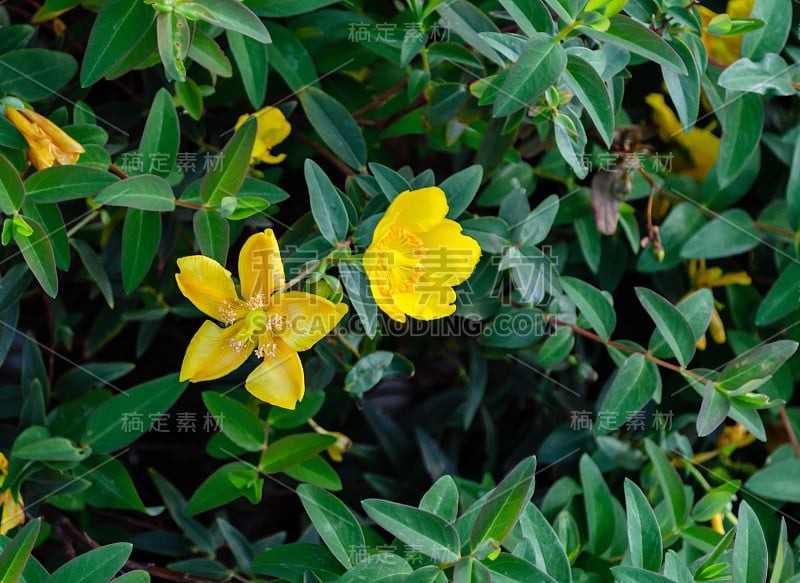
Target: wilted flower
(701, 276)
(340, 446)
(13, 514)
(417, 256)
(273, 324)
(724, 49)
(48, 144)
(272, 130)
(697, 150)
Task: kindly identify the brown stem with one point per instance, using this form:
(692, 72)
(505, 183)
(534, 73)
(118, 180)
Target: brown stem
(325, 153)
(629, 349)
(790, 431)
(118, 171)
(379, 100)
(314, 266)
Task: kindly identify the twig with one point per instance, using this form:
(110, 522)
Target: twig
(325, 153)
(787, 424)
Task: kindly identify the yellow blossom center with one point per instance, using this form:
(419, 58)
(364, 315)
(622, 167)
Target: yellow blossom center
(259, 328)
(399, 260)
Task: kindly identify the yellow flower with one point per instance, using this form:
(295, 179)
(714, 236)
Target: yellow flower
(49, 144)
(724, 49)
(717, 522)
(698, 149)
(417, 256)
(701, 276)
(13, 514)
(272, 130)
(338, 449)
(273, 324)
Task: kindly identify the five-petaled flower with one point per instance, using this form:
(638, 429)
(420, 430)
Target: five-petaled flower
(272, 130)
(697, 150)
(701, 276)
(48, 144)
(13, 514)
(417, 256)
(272, 323)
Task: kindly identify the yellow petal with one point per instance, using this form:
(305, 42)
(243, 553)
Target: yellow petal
(272, 126)
(240, 122)
(738, 278)
(13, 514)
(427, 302)
(669, 128)
(701, 344)
(279, 379)
(268, 158)
(210, 288)
(260, 267)
(386, 304)
(716, 327)
(419, 210)
(3, 465)
(211, 355)
(306, 318)
(450, 257)
(703, 149)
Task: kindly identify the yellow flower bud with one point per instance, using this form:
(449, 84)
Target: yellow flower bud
(48, 144)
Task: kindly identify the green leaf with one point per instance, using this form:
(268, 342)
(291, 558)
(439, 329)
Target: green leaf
(315, 471)
(592, 304)
(467, 21)
(770, 76)
(713, 410)
(334, 523)
(16, 553)
(684, 90)
(671, 485)
(636, 382)
(35, 74)
(467, 570)
(126, 416)
(292, 450)
(226, 178)
(10, 136)
(226, 484)
(212, 232)
(327, 206)
(670, 322)
(240, 425)
(599, 510)
(501, 510)
(634, 575)
(391, 183)
(144, 192)
(540, 64)
(205, 51)
(356, 283)
(626, 33)
(290, 561)
(251, 58)
(173, 43)
(112, 486)
(284, 8)
(113, 36)
(97, 566)
(522, 11)
(749, 548)
(141, 234)
(335, 125)
(189, 96)
(176, 504)
(38, 254)
(461, 188)
(373, 368)
(12, 192)
(759, 363)
(441, 499)
(780, 481)
(52, 449)
(161, 136)
(234, 15)
(510, 569)
(714, 501)
(644, 535)
(771, 38)
(742, 124)
(782, 297)
(290, 59)
(537, 225)
(584, 81)
(542, 546)
(61, 183)
(425, 532)
(730, 233)
(94, 266)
